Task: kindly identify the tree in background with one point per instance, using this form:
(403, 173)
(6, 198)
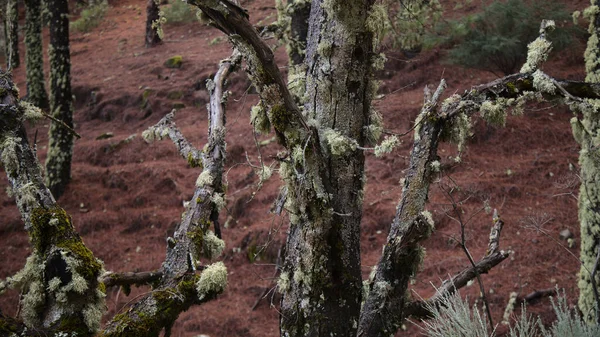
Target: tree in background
(12, 34)
(153, 24)
(60, 146)
(34, 58)
(587, 133)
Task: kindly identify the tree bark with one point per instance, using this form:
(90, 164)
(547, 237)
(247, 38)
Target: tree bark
(586, 131)
(59, 282)
(12, 28)
(34, 59)
(152, 24)
(60, 147)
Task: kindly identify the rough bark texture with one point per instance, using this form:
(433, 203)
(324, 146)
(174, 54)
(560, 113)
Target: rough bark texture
(34, 60)
(402, 255)
(587, 133)
(180, 286)
(152, 23)
(59, 282)
(60, 146)
(325, 196)
(12, 33)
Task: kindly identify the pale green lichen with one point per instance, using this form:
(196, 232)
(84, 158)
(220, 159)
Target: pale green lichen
(339, 145)
(259, 119)
(494, 112)
(428, 218)
(543, 83)
(218, 200)
(374, 130)
(386, 146)
(213, 280)
(538, 50)
(212, 245)
(204, 179)
(283, 282)
(458, 130)
(30, 111)
(378, 23)
(9, 157)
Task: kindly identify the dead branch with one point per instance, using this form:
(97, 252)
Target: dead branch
(420, 309)
(181, 286)
(166, 127)
(264, 72)
(127, 279)
(60, 264)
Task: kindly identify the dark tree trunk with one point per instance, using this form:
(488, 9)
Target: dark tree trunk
(12, 33)
(34, 59)
(60, 147)
(152, 24)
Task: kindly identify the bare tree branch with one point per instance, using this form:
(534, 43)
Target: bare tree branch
(60, 265)
(127, 279)
(420, 308)
(180, 286)
(264, 72)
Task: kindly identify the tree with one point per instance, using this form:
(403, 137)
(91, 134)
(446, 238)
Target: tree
(153, 24)
(586, 130)
(324, 133)
(34, 60)
(12, 34)
(60, 147)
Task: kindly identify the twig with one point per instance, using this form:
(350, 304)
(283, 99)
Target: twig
(419, 309)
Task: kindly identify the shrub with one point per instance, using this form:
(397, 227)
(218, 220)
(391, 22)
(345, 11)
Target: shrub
(179, 12)
(454, 318)
(496, 39)
(90, 17)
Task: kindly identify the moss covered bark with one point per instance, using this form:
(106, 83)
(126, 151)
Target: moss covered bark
(34, 60)
(59, 283)
(325, 176)
(60, 147)
(152, 23)
(587, 133)
(12, 33)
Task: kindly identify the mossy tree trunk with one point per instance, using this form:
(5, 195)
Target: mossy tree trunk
(323, 245)
(587, 132)
(12, 34)
(60, 147)
(152, 24)
(59, 282)
(34, 59)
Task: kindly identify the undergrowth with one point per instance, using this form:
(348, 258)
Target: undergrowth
(90, 17)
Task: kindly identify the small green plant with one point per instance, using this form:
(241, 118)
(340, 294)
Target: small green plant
(179, 12)
(90, 18)
(496, 39)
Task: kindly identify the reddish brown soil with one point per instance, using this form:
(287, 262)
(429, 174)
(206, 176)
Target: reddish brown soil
(125, 198)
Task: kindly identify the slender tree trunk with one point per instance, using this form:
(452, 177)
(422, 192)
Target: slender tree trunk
(322, 266)
(34, 59)
(586, 131)
(153, 24)
(12, 29)
(60, 147)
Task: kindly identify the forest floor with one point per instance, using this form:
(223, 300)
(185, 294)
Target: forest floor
(126, 195)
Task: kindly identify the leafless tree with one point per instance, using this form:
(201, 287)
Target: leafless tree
(326, 124)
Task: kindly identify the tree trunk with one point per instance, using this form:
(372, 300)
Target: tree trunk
(586, 131)
(325, 183)
(12, 29)
(59, 282)
(34, 59)
(60, 147)
(153, 24)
